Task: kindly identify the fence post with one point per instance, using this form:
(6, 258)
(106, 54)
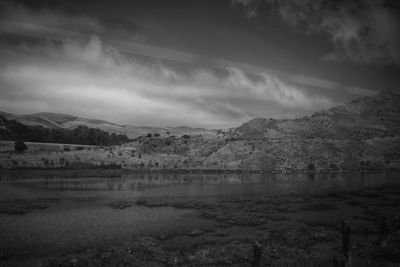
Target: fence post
(257, 255)
(346, 244)
(384, 232)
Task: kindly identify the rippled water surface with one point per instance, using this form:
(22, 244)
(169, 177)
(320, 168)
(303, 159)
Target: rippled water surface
(76, 213)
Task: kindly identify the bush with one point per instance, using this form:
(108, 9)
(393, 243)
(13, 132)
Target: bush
(311, 167)
(19, 146)
(46, 161)
(333, 166)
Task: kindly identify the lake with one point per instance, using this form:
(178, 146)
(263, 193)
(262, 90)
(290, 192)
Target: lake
(67, 211)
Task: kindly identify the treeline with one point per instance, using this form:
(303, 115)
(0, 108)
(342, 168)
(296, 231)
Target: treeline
(82, 135)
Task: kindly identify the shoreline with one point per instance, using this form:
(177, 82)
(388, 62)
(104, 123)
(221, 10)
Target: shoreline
(89, 167)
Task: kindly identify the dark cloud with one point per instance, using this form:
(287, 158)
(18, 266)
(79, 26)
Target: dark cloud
(362, 31)
(47, 17)
(49, 22)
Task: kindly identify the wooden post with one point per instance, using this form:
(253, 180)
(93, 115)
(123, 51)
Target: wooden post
(346, 245)
(257, 255)
(384, 232)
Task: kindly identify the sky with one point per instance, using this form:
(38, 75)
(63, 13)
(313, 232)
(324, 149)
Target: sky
(212, 64)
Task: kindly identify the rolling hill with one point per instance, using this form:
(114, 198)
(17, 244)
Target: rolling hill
(56, 120)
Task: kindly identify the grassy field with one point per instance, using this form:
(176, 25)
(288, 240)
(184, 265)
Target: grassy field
(197, 153)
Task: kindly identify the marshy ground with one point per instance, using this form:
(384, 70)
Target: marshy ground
(293, 230)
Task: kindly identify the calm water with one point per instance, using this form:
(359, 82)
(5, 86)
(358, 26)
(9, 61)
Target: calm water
(78, 216)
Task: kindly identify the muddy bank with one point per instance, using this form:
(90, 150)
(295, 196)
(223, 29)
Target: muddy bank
(21, 207)
(292, 230)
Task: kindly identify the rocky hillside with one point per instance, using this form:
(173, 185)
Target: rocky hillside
(56, 120)
(363, 118)
(363, 134)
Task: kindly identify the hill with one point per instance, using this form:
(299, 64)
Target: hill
(13, 130)
(64, 121)
(363, 135)
(363, 118)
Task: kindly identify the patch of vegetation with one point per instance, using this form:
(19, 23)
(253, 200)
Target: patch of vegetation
(82, 135)
(19, 146)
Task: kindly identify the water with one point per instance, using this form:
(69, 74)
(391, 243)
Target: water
(77, 215)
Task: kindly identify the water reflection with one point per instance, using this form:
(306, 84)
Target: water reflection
(77, 202)
(139, 185)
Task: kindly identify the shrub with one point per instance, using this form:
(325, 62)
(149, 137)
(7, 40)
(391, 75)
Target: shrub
(45, 161)
(67, 148)
(19, 146)
(311, 167)
(79, 148)
(333, 166)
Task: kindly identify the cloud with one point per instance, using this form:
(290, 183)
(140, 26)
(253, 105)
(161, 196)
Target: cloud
(89, 78)
(48, 22)
(49, 18)
(364, 32)
(51, 24)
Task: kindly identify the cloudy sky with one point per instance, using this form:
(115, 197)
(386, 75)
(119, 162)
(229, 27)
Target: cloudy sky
(202, 63)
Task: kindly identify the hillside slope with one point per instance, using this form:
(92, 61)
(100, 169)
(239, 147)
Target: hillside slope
(56, 120)
(364, 134)
(363, 118)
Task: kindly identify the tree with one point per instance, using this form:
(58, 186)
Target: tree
(311, 167)
(20, 146)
